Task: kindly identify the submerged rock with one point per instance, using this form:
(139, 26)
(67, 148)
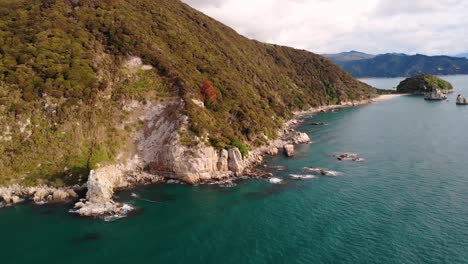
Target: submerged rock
(349, 157)
(323, 172)
(317, 124)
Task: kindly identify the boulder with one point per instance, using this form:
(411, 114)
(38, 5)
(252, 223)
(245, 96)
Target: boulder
(60, 195)
(300, 138)
(15, 199)
(272, 151)
(348, 156)
(40, 195)
(289, 150)
(235, 161)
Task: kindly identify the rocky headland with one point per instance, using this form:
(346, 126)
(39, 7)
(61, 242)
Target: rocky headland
(161, 157)
(146, 104)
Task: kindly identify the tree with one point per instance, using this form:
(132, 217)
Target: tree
(208, 91)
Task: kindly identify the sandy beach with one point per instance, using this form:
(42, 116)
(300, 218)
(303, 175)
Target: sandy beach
(386, 97)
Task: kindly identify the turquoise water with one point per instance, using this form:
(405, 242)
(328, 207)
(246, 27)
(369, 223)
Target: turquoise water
(406, 203)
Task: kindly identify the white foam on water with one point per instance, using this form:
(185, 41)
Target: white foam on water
(318, 170)
(324, 172)
(333, 173)
(126, 208)
(134, 195)
(112, 218)
(275, 180)
(302, 177)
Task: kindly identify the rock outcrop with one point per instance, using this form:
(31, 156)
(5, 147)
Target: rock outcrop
(236, 163)
(41, 194)
(289, 150)
(102, 183)
(300, 138)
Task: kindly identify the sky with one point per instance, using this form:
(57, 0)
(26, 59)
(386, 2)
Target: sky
(431, 27)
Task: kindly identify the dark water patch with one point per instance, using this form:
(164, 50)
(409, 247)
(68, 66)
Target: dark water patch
(275, 189)
(51, 207)
(86, 238)
(137, 212)
(158, 197)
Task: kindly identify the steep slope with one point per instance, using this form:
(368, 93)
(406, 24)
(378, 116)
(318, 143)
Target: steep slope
(74, 94)
(402, 65)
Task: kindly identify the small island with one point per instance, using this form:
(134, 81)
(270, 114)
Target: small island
(424, 84)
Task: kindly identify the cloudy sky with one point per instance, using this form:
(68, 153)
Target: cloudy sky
(329, 26)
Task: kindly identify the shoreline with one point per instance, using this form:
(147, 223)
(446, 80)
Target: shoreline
(380, 98)
(287, 136)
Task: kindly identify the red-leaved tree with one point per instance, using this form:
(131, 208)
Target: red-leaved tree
(208, 91)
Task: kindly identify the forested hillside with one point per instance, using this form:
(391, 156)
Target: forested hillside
(65, 82)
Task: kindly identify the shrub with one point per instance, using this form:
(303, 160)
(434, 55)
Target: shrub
(208, 91)
(243, 148)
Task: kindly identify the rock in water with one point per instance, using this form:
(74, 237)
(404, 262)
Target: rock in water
(289, 150)
(275, 180)
(349, 156)
(300, 138)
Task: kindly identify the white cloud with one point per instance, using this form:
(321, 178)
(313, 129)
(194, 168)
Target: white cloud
(374, 26)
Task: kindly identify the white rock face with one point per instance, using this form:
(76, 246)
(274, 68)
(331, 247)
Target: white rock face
(40, 195)
(200, 165)
(235, 161)
(16, 193)
(222, 164)
(289, 150)
(163, 153)
(300, 138)
(102, 182)
(273, 151)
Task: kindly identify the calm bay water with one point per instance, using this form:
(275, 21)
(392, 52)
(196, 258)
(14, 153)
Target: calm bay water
(407, 203)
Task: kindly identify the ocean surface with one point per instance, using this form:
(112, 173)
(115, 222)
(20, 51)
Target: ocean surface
(407, 202)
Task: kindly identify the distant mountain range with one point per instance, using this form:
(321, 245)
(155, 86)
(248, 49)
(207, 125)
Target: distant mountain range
(361, 64)
(349, 56)
(462, 55)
